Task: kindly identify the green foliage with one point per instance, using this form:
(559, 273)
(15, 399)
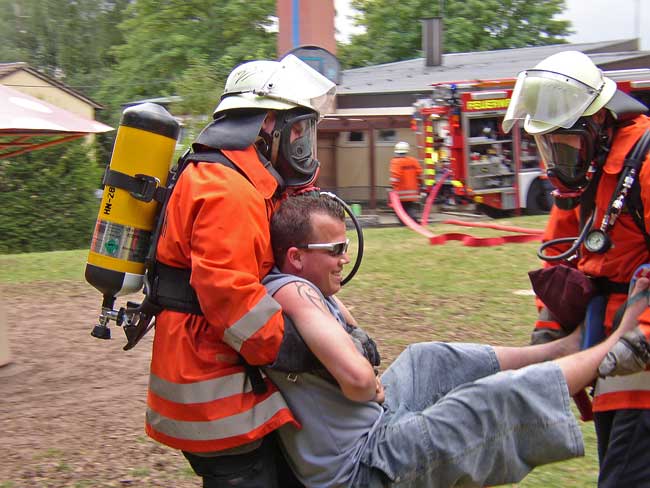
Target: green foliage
(118, 51)
(393, 29)
(47, 199)
(199, 88)
(166, 41)
(68, 40)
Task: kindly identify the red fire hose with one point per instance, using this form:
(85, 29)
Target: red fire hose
(526, 235)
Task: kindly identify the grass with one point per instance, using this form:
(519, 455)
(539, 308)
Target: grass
(407, 291)
(43, 266)
(455, 292)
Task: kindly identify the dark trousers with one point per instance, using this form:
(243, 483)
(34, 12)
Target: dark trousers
(623, 448)
(265, 467)
(412, 208)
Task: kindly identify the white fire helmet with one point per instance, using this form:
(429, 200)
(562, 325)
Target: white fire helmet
(277, 85)
(557, 92)
(402, 147)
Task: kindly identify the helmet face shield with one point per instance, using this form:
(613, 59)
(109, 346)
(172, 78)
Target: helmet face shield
(298, 83)
(549, 98)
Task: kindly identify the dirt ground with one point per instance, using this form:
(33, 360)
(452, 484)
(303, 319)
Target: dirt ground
(72, 407)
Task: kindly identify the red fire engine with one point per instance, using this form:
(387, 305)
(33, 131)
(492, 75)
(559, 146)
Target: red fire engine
(459, 132)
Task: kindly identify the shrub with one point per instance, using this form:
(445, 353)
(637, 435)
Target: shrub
(47, 199)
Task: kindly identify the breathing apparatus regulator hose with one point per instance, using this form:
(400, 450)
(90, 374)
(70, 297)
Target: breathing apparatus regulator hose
(573, 250)
(357, 226)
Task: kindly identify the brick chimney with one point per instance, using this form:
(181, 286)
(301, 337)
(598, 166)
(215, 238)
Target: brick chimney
(305, 22)
(432, 41)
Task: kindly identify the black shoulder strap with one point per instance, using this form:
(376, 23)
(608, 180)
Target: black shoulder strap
(187, 158)
(166, 287)
(634, 160)
(211, 157)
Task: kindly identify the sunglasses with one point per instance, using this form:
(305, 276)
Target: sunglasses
(333, 248)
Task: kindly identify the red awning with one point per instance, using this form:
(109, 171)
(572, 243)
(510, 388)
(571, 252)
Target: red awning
(27, 123)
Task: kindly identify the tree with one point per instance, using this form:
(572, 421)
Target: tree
(393, 30)
(69, 40)
(166, 40)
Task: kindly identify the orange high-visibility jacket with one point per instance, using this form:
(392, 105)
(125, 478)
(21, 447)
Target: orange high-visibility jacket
(217, 225)
(406, 178)
(629, 250)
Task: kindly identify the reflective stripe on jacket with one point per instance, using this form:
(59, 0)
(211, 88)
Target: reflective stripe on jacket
(217, 224)
(405, 177)
(628, 252)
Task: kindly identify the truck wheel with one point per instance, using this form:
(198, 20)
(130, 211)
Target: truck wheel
(539, 200)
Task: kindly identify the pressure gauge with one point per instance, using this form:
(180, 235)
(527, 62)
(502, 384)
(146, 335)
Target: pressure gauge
(597, 241)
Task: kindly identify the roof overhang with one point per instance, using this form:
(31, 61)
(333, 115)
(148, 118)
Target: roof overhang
(365, 118)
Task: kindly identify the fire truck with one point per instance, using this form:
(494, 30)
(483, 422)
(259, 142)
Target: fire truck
(460, 141)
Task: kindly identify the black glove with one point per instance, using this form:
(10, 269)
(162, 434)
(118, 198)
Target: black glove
(542, 336)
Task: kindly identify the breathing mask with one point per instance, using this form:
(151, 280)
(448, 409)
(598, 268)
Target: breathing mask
(293, 146)
(568, 154)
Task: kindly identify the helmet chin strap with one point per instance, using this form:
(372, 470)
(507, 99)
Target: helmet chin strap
(262, 144)
(605, 136)
(275, 145)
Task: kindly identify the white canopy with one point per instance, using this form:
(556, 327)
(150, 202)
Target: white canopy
(27, 123)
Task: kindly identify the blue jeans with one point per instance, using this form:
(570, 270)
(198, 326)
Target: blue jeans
(452, 419)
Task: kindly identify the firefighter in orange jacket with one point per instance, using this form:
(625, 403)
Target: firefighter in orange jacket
(206, 396)
(406, 178)
(586, 129)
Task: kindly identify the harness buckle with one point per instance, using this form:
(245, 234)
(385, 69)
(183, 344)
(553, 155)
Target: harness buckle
(149, 184)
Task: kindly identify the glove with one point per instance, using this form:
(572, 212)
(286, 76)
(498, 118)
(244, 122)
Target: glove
(542, 336)
(545, 331)
(364, 344)
(631, 354)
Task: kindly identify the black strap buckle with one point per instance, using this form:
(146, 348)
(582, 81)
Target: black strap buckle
(147, 189)
(141, 187)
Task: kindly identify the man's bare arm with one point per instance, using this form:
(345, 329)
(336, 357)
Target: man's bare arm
(329, 342)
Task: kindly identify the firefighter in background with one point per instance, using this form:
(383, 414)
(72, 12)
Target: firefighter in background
(406, 179)
(206, 397)
(585, 128)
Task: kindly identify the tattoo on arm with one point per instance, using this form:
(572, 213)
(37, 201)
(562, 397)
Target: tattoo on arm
(308, 293)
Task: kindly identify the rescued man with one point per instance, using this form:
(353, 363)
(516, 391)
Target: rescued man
(442, 414)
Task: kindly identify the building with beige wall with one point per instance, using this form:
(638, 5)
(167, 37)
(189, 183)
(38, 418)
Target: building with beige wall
(22, 77)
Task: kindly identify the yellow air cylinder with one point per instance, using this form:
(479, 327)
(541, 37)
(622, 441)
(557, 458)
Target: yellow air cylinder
(144, 145)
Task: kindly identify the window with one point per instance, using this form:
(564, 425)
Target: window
(356, 136)
(387, 135)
